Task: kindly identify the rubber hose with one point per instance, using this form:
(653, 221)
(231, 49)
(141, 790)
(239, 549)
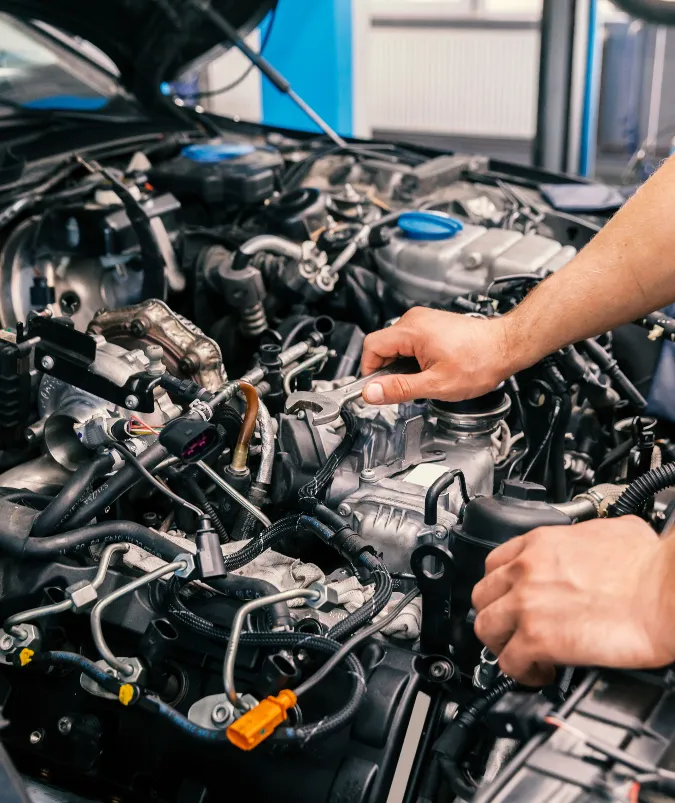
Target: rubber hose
(27, 498)
(642, 489)
(52, 518)
(105, 496)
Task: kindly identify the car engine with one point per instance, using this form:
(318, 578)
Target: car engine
(218, 564)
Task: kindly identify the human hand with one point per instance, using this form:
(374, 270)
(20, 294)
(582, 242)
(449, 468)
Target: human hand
(460, 357)
(593, 594)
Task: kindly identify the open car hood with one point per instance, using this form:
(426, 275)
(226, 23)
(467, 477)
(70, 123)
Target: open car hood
(150, 41)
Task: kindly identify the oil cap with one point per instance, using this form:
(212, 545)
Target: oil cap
(429, 226)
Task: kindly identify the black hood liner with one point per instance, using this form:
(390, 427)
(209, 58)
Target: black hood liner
(150, 41)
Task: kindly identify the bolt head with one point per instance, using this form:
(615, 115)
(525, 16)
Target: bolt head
(368, 473)
(36, 737)
(65, 725)
(138, 328)
(131, 402)
(440, 532)
(344, 510)
(47, 363)
(440, 670)
(220, 714)
(6, 642)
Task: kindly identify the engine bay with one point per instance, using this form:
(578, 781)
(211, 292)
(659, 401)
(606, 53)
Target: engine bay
(218, 561)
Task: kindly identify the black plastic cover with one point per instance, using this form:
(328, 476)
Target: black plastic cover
(250, 178)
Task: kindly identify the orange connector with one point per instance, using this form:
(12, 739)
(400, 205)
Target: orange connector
(260, 722)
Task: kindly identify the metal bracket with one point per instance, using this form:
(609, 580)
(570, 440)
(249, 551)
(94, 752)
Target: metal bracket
(412, 453)
(433, 567)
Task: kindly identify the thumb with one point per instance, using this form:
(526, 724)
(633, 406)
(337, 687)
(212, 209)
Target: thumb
(401, 388)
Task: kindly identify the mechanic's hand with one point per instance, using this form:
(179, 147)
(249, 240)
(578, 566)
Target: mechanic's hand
(593, 594)
(460, 357)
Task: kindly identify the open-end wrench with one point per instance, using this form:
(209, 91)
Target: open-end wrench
(325, 407)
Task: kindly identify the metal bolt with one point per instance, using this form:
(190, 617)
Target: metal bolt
(6, 642)
(440, 670)
(344, 509)
(65, 725)
(368, 473)
(36, 736)
(131, 402)
(508, 727)
(440, 532)
(300, 415)
(138, 328)
(47, 362)
(220, 714)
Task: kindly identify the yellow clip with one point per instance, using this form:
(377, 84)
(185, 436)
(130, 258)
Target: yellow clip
(126, 694)
(26, 656)
(260, 722)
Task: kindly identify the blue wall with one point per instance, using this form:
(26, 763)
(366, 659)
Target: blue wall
(311, 45)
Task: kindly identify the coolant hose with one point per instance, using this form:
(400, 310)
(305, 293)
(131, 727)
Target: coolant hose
(111, 490)
(53, 516)
(642, 489)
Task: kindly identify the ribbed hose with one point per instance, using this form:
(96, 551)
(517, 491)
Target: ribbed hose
(642, 489)
(52, 518)
(329, 724)
(452, 743)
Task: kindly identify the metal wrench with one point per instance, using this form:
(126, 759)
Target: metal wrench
(325, 407)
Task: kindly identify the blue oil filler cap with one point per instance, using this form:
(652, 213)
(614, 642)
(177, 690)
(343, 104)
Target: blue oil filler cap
(216, 152)
(429, 226)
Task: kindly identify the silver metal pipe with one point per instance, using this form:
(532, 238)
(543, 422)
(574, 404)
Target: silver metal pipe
(274, 244)
(235, 633)
(319, 356)
(61, 607)
(256, 375)
(225, 486)
(102, 604)
(579, 509)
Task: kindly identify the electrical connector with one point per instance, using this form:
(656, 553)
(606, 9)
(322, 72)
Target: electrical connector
(519, 715)
(260, 722)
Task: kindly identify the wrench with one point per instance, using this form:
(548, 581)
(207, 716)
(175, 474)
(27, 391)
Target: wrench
(325, 407)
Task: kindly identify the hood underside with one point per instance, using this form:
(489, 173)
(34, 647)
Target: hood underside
(150, 41)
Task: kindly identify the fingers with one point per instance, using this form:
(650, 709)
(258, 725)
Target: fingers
(385, 345)
(505, 554)
(495, 625)
(491, 588)
(517, 662)
(401, 388)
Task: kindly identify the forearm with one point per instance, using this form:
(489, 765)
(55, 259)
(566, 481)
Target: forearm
(626, 271)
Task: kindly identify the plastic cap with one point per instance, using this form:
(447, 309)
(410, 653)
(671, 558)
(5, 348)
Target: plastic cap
(429, 226)
(219, 152)
(260, 722)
